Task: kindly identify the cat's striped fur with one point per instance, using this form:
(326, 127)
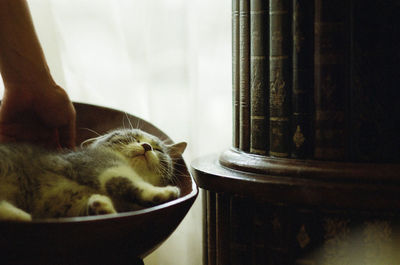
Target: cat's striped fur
(120, 171)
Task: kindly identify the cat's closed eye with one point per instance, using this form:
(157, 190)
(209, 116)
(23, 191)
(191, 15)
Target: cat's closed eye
(158, 149)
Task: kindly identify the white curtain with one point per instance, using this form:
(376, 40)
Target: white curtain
(166, 61)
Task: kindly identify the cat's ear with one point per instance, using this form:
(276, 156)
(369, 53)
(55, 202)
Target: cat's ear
(177, 150)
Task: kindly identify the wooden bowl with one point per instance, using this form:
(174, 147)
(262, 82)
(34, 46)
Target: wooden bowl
(114, 239)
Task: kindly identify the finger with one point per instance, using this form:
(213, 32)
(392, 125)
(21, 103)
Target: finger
(53, 141)
(67, 136)
(24, 133)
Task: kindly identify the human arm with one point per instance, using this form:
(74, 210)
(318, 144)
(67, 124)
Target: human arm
(34, 108)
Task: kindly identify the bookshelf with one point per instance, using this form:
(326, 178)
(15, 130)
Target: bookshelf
(329, 188)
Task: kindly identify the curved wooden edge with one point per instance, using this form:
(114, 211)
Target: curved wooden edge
(131, 234)
(311, 169)
(88, 127)
(211, 175)
(189, 194)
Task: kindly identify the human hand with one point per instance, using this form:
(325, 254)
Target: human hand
(42, 115)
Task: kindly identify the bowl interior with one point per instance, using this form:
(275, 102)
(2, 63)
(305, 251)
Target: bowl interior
(92, 239)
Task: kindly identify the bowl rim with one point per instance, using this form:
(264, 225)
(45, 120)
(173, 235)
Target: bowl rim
(117, 216)
(83, 219)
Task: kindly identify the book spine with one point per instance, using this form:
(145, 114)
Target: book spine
(244, 75)
(303, 78)
(259, 28)
(280, 77)
(331, 75)
(375, 108)
(235, 73)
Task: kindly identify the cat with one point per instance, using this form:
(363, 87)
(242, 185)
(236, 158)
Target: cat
(123, 170)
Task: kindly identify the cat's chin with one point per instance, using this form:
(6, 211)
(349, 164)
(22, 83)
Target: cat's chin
(147, 167)
(148, 160)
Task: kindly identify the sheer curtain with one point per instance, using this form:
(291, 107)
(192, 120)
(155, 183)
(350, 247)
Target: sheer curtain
(167, 61)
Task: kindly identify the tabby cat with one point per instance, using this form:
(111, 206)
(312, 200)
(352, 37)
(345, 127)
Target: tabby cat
(123, 170)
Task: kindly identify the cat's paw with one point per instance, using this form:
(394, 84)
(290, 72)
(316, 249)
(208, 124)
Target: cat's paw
(157, 195)
(100, 204)
(9, 212)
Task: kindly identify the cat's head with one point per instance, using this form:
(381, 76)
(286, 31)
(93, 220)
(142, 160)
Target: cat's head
(150, 157)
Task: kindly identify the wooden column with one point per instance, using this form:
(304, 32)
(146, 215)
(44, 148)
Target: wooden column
(336, 198)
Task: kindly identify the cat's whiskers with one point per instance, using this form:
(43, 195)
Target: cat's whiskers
(129, 121)
(179, 172)
(88, 141)
(90, 130)
(123, 121)
(138, 125)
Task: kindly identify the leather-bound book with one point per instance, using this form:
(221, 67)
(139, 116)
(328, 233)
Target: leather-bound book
(303, 78)
(375, 108)
(235, 74)
(280, 77)
(259, 36)
(244, 75)
(331, 66)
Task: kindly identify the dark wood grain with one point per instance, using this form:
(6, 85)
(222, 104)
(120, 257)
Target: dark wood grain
(311, 169)
(222, 228)
(328, 193)
(205, 226)
(211, 229)
(295, 218)
(296, 187)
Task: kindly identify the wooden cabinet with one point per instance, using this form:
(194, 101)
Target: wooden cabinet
(300, 212)
(339, 204)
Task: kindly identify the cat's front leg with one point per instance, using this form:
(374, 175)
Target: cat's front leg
(139, 191)
(157, 195)
(99, 204)
(9, 212)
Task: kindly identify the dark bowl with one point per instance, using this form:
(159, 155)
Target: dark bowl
(114, 239)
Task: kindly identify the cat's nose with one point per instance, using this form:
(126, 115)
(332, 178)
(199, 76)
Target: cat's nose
(147, 147)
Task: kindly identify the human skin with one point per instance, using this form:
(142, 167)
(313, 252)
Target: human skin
(34, 108)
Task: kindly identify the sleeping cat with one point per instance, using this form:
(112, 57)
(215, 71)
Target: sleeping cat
(120, 171)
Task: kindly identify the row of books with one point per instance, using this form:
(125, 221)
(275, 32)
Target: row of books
(296, 78)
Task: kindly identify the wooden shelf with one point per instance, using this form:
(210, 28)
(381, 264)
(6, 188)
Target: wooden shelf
(307, 182)
(281, 211)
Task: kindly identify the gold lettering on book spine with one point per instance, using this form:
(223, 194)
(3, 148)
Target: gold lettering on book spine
(298, 137)
(278, 134)
(302, 237)
(278, 92)
(277, 36)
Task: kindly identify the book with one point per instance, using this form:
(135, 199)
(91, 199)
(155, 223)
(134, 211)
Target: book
(280, 71)
(303, 78)
(259, 123)
(375, 111)
(331, 78)
(235, 74)
(244, 75)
